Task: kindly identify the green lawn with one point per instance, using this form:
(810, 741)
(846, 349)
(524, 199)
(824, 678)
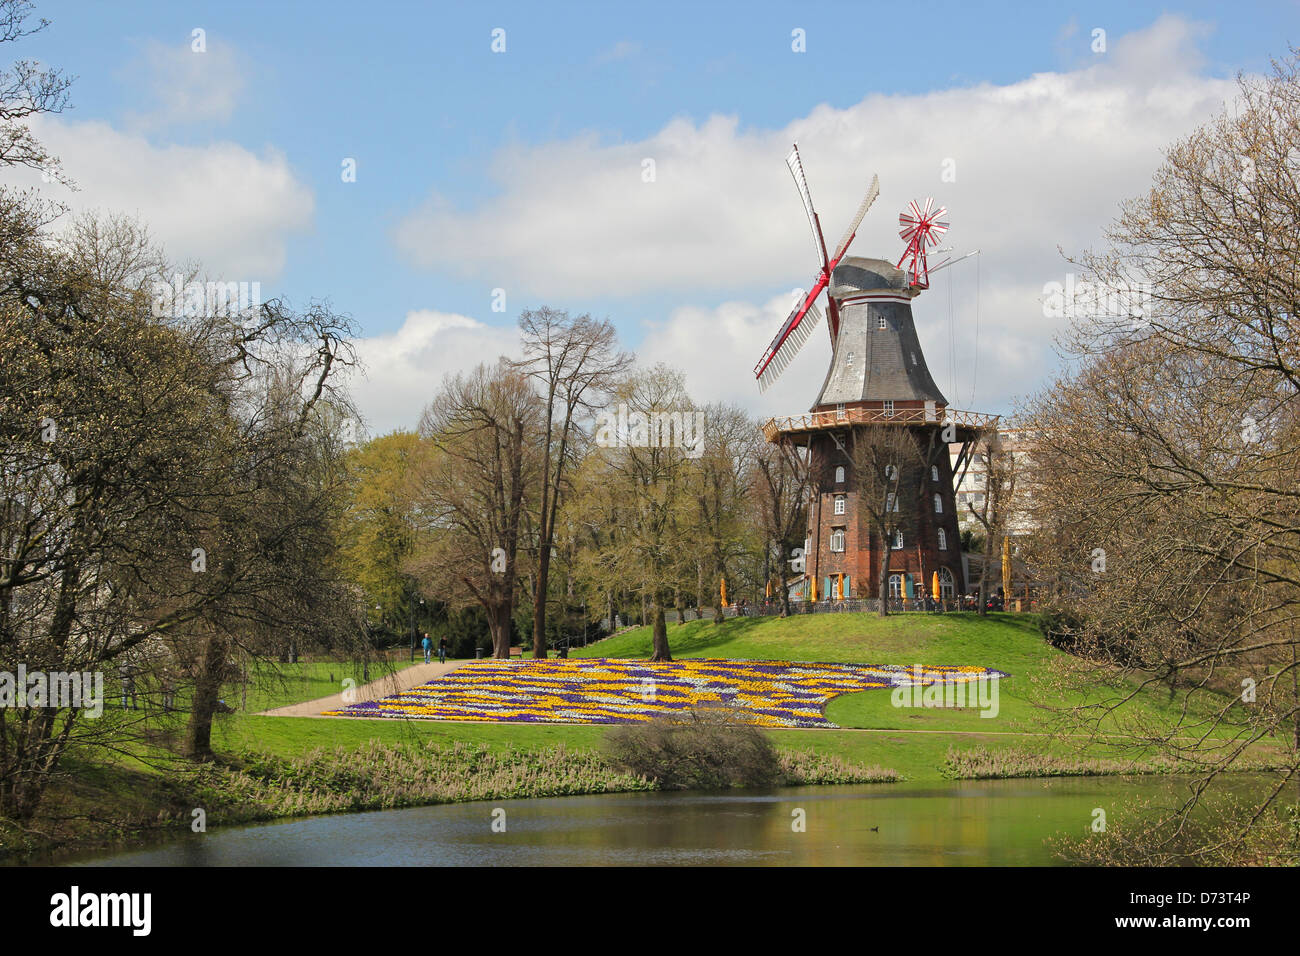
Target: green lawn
(1029, 700)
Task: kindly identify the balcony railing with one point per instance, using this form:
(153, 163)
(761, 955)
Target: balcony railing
(822, 421)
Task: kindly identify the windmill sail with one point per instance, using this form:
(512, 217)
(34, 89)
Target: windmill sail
(872, 192)
(794, 333)
(801, 183)
(791, 338)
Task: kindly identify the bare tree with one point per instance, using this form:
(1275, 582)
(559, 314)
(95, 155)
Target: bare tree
(780, 491)
(471, 490)
(1165, 473)
(27, 90)
(576, 362)
(644, 486)
(995, 507)
(885, 463)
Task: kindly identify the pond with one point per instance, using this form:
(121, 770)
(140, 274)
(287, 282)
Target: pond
(960, 823)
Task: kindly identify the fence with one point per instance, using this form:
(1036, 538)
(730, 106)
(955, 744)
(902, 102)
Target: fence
(856, 606)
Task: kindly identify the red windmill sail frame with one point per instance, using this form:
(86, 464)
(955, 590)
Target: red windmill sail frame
(794, 331)
(920, 227)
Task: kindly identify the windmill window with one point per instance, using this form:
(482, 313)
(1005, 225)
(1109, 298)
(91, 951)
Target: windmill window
(934, 472)
(850, 361)
(840, 412)
(883, 323)
(889, 408)
(914, 362)
(898, 541)
(938, 504)
(839, 504)
(947, 586)
(839, 474)
(943, 540)
(837, 540)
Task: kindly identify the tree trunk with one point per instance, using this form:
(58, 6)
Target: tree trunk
(785, 584)
(661, 652)
(883, 583)
(207, 691)
(539, 602)
(499, 627)
(984, 573)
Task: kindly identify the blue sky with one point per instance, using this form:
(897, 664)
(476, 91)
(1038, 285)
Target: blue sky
(479, 170)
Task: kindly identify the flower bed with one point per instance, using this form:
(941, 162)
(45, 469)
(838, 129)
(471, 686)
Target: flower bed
(609, 691)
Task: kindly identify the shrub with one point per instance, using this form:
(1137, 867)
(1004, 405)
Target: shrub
(704, 748)
(1060, 628)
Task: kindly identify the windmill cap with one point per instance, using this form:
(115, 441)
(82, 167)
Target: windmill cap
(855, 275)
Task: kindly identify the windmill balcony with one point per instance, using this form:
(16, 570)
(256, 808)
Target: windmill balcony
(967, 422)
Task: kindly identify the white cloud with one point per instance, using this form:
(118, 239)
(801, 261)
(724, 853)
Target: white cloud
(221, 204)
(403, 369)
(1040, 163)
(189, 87)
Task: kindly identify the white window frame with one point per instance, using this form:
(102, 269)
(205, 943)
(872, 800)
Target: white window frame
(934, 472)
(839, 474)
(943, 540)
(840, 505)
(888, 408)
(895, 585)
(841, 412)
(882, 323)
(891, 501)
(947, 585)
(897, 543)
(837, 537)
(938, 503)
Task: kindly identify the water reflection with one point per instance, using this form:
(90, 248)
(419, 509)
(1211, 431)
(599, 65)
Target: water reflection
(983, 823)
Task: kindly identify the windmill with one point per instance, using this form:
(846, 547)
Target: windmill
(805, 316)
(878, 386)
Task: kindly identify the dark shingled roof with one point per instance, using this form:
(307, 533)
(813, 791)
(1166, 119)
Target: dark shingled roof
(872, 364)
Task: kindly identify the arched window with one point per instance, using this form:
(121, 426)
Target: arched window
(947, 588)
(898, 540)
(837, 539)
(934, 472)
(839, 474)
(943, 540)
(938, 504)
(891, 472)
(839, 504)
(896, 585)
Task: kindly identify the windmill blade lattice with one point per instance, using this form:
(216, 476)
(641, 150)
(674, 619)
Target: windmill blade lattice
(789, 341)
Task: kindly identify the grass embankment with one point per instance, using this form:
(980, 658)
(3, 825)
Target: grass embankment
(146, 787)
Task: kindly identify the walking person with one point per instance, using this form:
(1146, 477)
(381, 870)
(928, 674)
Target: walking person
(127, 673)
(428, 648)
(442, 649)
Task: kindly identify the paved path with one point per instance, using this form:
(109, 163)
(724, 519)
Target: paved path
(393, 683)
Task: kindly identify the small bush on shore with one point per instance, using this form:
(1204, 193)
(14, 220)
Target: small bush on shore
(705, 748)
